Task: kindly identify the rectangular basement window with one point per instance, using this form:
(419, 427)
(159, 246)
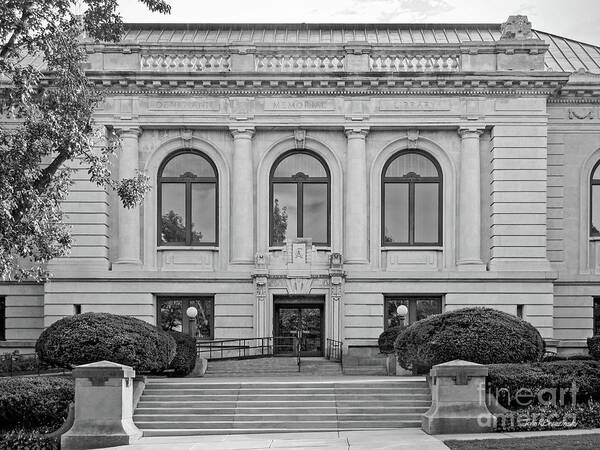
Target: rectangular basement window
(520, 311)
(76, 309)
(2, 318)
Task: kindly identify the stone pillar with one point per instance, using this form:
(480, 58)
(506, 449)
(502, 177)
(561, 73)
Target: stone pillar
(242, 197)
(129, 218)
(469, 201)
(458, 400)
(355, 189)
(103, 407)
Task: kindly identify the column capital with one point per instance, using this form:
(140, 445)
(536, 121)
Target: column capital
(471, 132)
(129, 131)
(356, 132)
(242, 132)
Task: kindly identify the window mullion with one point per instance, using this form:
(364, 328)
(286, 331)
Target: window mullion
(300, 209)
(188, 213)
(411, 213)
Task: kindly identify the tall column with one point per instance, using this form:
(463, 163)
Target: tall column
(356, 212)
(129, 218)
(242, 197)
(469, 201)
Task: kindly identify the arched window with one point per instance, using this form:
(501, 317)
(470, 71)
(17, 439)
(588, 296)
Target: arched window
(300, 192)
(187, 200)
(595, 201)
(411, 204)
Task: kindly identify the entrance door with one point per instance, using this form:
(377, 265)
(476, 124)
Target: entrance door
(293, 314)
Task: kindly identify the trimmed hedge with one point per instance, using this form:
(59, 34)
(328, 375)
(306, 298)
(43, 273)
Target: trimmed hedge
(185, 355)
(505, 379)
(92, 337)
(27, 440)
(35, 402)
(387, 338)
(593, 344)
(551, 417)
(553, 357)
(480, 335)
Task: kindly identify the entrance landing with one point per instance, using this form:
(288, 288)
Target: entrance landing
(273, 366)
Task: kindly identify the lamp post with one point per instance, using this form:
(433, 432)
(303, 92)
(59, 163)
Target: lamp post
(192, 313)
(201, 363)
(402, 312)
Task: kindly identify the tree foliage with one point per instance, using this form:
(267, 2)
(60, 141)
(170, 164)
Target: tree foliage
(47, 127)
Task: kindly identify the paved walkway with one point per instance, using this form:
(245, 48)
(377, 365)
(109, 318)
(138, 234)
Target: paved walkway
(397, 439)
(516, 434)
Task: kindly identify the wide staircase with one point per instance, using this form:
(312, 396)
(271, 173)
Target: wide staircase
(274, 366)
(194, 406)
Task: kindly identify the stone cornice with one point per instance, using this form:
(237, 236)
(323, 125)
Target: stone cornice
(248, 84)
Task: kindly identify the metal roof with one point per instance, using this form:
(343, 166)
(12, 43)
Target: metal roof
(564, 55)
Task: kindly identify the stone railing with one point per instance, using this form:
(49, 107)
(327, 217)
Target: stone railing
(299, 63)
(357, 57)
(414, 63)
(186, 62)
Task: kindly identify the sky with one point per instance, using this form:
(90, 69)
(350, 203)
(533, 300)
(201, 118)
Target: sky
(575, 19)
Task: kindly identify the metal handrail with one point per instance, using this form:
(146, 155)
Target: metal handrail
(334, 350)
(16, 364)
(241, 348)
(246, 348)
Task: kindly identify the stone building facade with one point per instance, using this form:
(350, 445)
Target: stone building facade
(328, 173)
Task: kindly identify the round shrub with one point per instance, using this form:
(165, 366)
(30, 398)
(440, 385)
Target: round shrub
(91, 337)
(185, 355)
(387, 338)
(480, 335)
(30, 402)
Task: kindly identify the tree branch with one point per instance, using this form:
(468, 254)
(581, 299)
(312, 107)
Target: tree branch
(50, 170)
(6, 48)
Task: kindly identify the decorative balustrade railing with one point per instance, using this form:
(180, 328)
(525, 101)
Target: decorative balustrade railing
(290, 62)
(414, 63)
(186, 62)
(299, 63)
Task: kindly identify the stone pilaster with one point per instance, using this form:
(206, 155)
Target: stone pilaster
(336, 281)
(355, 189)
(129, 218)
(242, 197)
(469, 201)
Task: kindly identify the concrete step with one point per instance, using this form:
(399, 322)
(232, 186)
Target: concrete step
(372, 410)
(288, 404)
(218, 431)
(241, 397)
(188, 407)
(264, 417)
(283, 403)
(384, 383)
(289, 390)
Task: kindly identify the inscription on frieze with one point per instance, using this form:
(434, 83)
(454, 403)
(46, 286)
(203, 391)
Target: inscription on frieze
(299, 104)
(184, 105)
(413, 105)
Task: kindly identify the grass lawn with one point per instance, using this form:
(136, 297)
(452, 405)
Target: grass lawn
(572, 442)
